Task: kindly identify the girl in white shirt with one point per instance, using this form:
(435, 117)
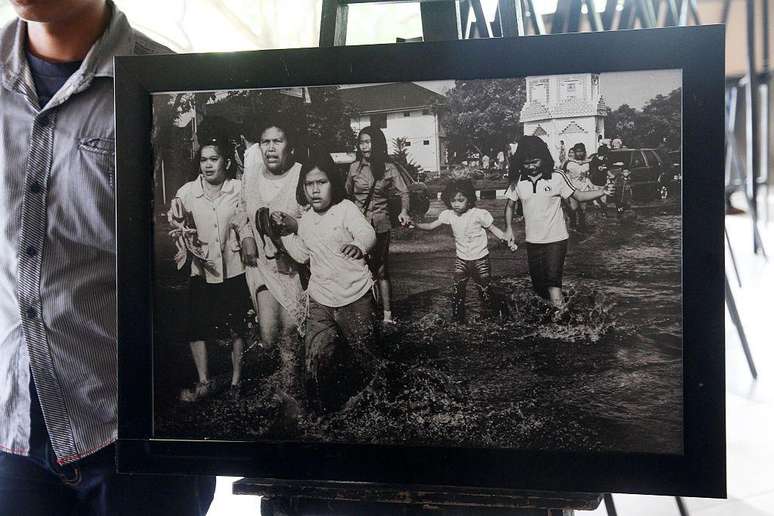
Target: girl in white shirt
(334, 237)
(541, 189)
(468, 225)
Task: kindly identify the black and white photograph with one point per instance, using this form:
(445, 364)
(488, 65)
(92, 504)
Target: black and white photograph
(483, 263)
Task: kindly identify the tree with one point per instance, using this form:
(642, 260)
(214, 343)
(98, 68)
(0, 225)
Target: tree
(401, 157)
(660, 118)
(328, 120)
(483, 115)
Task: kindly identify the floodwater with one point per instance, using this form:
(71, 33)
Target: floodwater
(603, 374)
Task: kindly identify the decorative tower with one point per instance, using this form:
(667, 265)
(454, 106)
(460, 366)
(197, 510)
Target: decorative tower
(565, 108)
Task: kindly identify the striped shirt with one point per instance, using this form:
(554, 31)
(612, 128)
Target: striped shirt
(57, 246)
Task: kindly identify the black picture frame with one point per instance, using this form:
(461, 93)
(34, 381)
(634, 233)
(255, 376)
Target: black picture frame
(698, 51)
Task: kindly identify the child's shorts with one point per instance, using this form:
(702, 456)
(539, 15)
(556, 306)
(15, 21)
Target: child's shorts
(218, 310)
(546, 265)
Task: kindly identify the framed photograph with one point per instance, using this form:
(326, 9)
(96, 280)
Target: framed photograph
(488, 263)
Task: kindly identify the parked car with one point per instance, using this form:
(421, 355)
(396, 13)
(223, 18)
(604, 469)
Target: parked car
(649, 176)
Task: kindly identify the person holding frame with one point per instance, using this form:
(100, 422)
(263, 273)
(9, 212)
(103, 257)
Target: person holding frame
(58, 388)
(371, 181)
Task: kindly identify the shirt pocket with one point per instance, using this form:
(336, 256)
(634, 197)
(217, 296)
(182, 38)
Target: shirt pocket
(84, 189)
(100, 152)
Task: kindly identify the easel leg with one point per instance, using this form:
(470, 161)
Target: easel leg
(733, 258)
(609, 505)
(738, 323)
(681, 506)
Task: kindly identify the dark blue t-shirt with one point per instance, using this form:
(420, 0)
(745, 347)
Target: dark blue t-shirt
(49, 77)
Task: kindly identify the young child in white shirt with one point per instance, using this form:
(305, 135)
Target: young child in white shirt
(341, 327)
(469, 225)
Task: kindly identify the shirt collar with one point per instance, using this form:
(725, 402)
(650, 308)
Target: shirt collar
(228, 186)
(118, 39)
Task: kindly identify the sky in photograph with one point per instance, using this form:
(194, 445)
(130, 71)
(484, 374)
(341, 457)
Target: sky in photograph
(637, 88)
(633, 88)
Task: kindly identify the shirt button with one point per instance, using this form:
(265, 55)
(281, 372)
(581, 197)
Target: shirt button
(32, 313)
(35, 187)
(31, 251)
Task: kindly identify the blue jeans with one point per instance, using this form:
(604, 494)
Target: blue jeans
(37, 486)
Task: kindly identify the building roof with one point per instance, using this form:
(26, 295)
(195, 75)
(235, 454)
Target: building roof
(383, 98)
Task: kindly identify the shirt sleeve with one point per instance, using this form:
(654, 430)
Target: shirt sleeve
(296, 247)
(363, 234)
(485, 218)
(241, 219)
(565, 187)
(512, 193)
(349, 183)
(443, 217)
(398, 185)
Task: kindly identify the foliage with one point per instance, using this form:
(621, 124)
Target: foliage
(660, 118)
(483, 116)
(402, 158)
(328, 120)
(183, 121)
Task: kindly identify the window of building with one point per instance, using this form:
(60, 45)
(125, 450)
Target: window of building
(379, 121)
(408, 143)
(425, 142)
(407, 113)
(425, 111)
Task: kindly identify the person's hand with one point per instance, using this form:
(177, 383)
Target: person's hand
(351, 251)
(176, 214)
(284, 222)
(513, 246)
(249, 252)
(404, 218)
(508, 236)
(608, 190)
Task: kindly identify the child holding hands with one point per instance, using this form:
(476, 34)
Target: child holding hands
(469, 225)
(541, 189)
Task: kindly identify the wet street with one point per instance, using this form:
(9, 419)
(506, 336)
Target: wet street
(605, 373)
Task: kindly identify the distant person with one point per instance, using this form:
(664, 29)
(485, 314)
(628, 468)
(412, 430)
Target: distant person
(58, 366)
(469, 225)
(541, 189)
(577, 170)
(371, 181)
(341, 328)
(562, 153)
(218, 294)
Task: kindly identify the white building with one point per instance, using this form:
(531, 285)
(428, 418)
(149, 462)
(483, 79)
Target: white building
(565, 108)
(402, 110)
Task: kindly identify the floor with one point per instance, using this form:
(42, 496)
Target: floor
(749, 405)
